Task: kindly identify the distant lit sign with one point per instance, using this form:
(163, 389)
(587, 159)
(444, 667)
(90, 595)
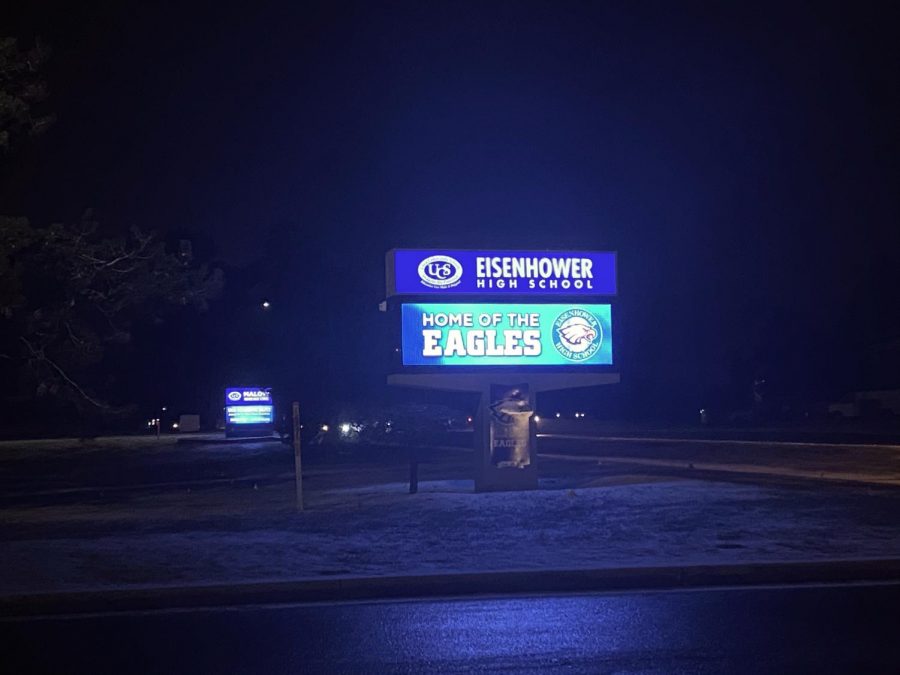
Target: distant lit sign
(247, 396)
(249, 414)
(457, 272)
(249, 405)
(506, 334)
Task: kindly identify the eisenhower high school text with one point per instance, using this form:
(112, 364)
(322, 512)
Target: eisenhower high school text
(506, 272)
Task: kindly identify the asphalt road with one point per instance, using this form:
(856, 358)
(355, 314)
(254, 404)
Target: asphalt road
(839, 629)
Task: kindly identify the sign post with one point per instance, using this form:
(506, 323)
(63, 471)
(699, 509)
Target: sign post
(298, 464)
(460, 332)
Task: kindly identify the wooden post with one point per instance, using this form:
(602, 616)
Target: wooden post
(413, 471)
(298, 465)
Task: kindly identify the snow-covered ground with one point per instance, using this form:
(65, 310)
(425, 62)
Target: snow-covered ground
(250, 533)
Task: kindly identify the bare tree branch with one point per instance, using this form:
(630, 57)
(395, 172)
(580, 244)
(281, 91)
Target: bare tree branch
(39, 354)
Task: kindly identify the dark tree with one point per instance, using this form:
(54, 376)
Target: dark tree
(69, 293)
(22, 90)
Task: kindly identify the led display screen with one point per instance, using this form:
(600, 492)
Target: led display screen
(460, 272)
(249, 414)
(506, 334)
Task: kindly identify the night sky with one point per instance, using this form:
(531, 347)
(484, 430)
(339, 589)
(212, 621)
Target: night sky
(740, 157)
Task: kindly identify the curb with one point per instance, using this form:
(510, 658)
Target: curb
(732, 472)
(885, 442)
(189, 440)
(519, 582)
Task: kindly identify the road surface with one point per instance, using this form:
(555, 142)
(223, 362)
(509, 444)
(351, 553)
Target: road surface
(837, 629)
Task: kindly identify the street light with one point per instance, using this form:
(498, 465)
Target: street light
(266, 304)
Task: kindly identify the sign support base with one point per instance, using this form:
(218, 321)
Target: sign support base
(496, 470)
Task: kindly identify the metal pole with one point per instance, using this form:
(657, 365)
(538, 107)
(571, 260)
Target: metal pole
(298, 466)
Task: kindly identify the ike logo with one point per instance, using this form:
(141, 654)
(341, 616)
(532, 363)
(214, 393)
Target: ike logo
(440, 271)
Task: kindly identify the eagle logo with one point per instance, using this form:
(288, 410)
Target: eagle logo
(578, 334)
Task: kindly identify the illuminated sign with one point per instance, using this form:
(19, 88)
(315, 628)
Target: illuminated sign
(249, 414)
(249, 405)
(506, 334)
(247, 396)
(457, 272)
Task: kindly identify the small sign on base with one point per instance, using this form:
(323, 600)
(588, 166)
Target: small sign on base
(505, 451)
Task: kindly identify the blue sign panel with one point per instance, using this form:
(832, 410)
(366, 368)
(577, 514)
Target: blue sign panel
(247, 396)
(506, 335)
(459, 272)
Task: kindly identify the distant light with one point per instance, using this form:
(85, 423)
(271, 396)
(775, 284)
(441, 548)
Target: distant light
(557, 415)
(345, 428)
(174, 425)
(324, 427)
(164, 408)
(150, 423)
(266, 304)
(537, 418)
(469, 420)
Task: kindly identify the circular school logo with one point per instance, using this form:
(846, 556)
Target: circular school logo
(234, 395)
(577, 334)
(440, 271)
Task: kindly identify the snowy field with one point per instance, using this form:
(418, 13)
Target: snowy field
(249, 532)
